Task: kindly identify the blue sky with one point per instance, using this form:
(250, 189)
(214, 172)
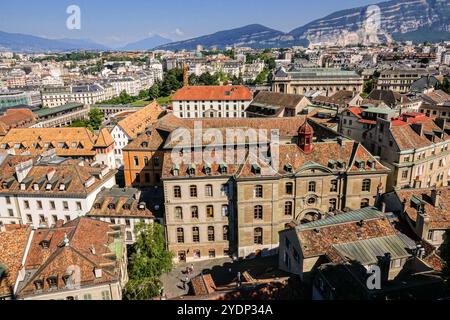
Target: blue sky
(117, 22)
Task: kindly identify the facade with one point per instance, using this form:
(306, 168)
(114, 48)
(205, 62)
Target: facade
(39, 192)
(414, 147)
(400, 80)
(83, 259)
(61, 116)
(87, 95)
(211, 102)
(121, 207)
(253, 202)
(78, 143)
(129, 128)
(328, 81)
(272, 104)
(10, 99)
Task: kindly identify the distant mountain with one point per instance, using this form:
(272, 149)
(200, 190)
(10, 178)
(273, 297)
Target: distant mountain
(26, 43)
(146, 44)
(401, 20)
(254, 35)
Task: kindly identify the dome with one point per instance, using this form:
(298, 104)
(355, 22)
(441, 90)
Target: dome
(306, 129)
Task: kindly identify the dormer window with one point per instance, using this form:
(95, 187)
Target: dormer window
(208, 169)
(288, 168)
(48, 187)
(331, 164)
(144, 144)
(341, 164)
(45, 244)
(53, 282)
(62, 187)
(256, 169)
(191, 170)
(223, 169)
(112, 206)
(39, 284)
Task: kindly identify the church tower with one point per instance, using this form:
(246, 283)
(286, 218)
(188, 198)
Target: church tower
(306, 137)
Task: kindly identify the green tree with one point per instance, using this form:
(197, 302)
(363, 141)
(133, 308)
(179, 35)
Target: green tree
(95, 118)
(369, 85)
(153, 92)
(148, 263)
(446, 85)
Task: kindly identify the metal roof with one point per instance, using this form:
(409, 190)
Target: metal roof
(367, 252)
(368, 213)
(45, 112)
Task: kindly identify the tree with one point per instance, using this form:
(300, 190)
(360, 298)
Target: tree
(369, 85)
(148, 263)
(446, 85)
(95, 118)
(153, 92)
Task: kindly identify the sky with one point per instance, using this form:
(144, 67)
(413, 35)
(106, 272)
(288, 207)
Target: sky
(115, 23)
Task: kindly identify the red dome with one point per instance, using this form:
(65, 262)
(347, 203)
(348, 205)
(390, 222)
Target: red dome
(306, 129)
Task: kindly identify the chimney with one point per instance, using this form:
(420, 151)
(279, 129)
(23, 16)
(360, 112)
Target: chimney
(383, 207)
(418, 128)
(384, 263)
(93, 250)
(435, 197)
(422, 223)
(98, 273)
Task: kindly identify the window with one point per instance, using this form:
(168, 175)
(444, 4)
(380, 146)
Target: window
(180, 235)
(53, 282)
(405, 174)
(146, 161)
(224, 189)
(259, 192)
(52, 205)
(194, 212)
(312, 201)
(258, 212)
(137, 178)
(8, 200)
(211, 234)
(106, 295)
(177, 192)
(430, 235)
(195, 234)
(11, 212)
(333, 205)
(312, 186)
(365, 203)
(127, 222)
(129, 236)
(209, 190)
(193, 191)
(289, 188)
(212, 254)
(210, 211)
(226, 231)
(26, 204)
(156, 162)
(79, 207)
(334, 186)
(225, 210)
(136, 161)
(366, 185)
(288, 208)
(29, 218)
(87, 296)
(258, 236)
(179, 213)
(65, 205)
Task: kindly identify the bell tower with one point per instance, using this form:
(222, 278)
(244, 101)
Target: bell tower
(306, 137)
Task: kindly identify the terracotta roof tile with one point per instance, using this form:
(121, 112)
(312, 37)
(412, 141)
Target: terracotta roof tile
(212, 93)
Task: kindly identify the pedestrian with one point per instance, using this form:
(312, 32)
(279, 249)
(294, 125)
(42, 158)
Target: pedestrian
(239, 279)
(192, 268)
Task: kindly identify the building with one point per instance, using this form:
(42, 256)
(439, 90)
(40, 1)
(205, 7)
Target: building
(400, 80)
(16, 118)
(41, 191)
(327, 81)
(425, 210)
(216, 209)
(303, 248)
(61, 116)
(121, 207)
(414, 147)
(84, 259)
(436, 111)
(143, 159)
(339, 101)
(273, 104)
(211, 102)
(10, 99)
(437, 98)
(78, 143)
(86, 94)
(129, 128)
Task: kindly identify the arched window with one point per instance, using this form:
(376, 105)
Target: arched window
(258, 212)
(312, 186)
(258, 236)
(180, 235)
(179, 213)
(365, 203)
(259, 192)
(333, 205)
(312, 201)
(366, 185)
(211, 234)
(288, 208)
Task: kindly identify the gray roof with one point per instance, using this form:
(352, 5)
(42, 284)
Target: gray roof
(369, 213)
(45, 112)
(322, 73)
(367, 251)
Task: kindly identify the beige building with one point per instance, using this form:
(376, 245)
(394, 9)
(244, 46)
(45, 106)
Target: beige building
(415, 148)
(328, 81)
(217, 209)
(399, 80)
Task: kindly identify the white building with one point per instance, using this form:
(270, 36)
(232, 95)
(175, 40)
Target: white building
(41, 191)
(87, 94)
(211, 102)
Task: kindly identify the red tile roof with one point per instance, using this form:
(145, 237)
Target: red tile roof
(213, 93)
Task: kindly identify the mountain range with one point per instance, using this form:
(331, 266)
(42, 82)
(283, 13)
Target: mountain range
(400, 20)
